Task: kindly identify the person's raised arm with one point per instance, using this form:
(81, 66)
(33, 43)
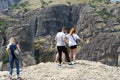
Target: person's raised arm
(65, 40)
(80, 39)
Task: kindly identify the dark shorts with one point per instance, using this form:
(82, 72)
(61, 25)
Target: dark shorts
(73, 47)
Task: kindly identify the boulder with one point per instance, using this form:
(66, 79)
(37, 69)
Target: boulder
(6, 67)
(27, 59)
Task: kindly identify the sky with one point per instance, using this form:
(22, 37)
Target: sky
(115, 0)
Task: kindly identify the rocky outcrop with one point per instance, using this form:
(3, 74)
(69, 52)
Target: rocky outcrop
(102, 48)
(4, 4)
(101, 35)
(27, 59)
(93, 23)
(12, 27)
(48, 20)
(44, 47)
(23, 34)
(83, 70)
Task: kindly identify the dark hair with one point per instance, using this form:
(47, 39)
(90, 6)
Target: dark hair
(64, 28)
(59, 30)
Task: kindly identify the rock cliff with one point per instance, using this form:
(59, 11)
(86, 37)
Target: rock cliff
(98, 26)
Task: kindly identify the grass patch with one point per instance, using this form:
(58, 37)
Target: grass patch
(23, 4)
(45, 3)
(105, 14)
(5, 23)
(13, 6)
(33, 4)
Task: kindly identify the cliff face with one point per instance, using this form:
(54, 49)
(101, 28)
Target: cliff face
(98, 26)
(48, 20)
(4, 4)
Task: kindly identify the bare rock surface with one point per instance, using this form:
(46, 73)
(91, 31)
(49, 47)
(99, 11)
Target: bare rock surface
(82, 70)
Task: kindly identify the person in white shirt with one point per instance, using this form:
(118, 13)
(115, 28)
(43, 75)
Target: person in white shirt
(72, 37)
(61, 46)
(57, 55)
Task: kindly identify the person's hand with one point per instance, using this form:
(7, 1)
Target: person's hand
(82, 40)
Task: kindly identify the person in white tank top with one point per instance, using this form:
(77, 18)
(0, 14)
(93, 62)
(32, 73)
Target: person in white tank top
(72, 37)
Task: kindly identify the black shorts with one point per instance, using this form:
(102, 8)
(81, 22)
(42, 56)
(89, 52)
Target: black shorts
(73, 47)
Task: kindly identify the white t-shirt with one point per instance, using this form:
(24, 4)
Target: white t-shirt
(59, 38)
(72, 42)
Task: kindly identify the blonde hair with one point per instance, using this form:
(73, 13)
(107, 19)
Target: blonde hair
(12, 40)
(72, 31)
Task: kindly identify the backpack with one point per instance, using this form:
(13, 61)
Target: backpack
(15, 52)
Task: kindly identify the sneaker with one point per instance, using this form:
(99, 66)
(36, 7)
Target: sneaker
(74, 62)
(70, 64)
(10, 77)
(18, 78)
(59, 65)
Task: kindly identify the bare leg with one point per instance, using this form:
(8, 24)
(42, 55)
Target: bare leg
(71, 54)
(56, 57)
(74, 54)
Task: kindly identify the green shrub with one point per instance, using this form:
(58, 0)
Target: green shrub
(105, 14)
(44, 3)
(92, 5)
(3, 23)
(1, 29)
(104, 1)
(5, 57)
(69, 3)
(118, 20)
(23, 4)
(13, 6)
(26, 10)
